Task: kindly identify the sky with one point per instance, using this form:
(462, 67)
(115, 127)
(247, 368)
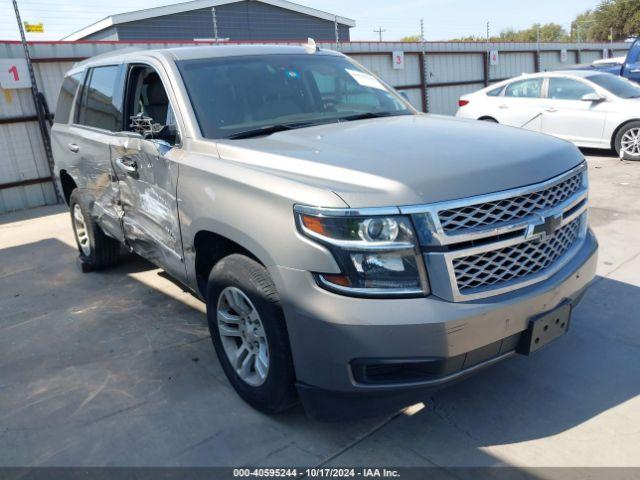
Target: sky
(444, 19)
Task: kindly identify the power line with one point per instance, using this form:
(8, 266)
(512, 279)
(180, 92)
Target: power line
(379, 31)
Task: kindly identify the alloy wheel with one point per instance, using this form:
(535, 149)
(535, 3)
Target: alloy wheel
(631, 141)
(80, 227)
(243, 336)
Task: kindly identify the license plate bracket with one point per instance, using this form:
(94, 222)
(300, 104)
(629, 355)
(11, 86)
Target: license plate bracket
(544, 329)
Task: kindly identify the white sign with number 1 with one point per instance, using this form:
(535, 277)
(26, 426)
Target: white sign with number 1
(14, 73)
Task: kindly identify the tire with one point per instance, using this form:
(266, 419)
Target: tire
(488, 119)
(275, 391)
(626, 134)
(96, 249)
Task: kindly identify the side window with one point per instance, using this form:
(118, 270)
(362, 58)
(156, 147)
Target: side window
(66, 96)
(531, 88)
(100, 105)
(495, 92)
(148, 109)
(567, 89)
(634, 52)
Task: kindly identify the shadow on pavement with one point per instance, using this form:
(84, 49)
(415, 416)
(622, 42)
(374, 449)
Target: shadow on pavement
(102, 369)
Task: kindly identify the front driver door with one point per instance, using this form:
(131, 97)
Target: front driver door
(567, 116)
(148, 174)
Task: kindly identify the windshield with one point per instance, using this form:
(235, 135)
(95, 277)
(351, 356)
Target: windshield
(233, 96)
(620, 87)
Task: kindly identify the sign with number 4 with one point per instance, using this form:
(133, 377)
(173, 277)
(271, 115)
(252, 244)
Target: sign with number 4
(14, 73)
(494, 58)
(563, 55)
(398, 60)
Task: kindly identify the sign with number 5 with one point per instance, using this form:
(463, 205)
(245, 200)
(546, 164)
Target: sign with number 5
(14, 73)
(398, 60)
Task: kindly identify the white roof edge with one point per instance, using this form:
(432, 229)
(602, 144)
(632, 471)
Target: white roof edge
(195, 5)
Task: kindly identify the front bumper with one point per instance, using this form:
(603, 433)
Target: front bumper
(330, 334)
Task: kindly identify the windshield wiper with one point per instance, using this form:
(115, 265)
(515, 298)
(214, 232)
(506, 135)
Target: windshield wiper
(364, 116)
(268, 130)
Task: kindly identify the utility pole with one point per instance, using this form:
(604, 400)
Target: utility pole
(538, 56)
(487, 57)
(42, 122)
(379, 31)
(336, 31)
(425, 72)
(215, 24)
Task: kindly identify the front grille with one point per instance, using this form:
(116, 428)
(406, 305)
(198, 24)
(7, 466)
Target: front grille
(510, 209)
(499, 266)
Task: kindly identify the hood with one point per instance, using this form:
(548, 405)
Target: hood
(407, 160)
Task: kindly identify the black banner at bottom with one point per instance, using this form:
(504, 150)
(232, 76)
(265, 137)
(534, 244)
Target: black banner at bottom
(346, 473)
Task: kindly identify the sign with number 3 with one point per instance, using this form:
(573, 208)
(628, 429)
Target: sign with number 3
(398, 60)
(14, 73)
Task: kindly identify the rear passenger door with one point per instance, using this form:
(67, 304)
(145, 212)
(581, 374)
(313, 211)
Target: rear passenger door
(520, 104)
(97, 119)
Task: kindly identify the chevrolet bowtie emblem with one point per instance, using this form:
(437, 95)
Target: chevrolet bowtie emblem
(543, 228)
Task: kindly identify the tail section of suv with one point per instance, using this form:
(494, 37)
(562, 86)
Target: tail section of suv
(348, 256)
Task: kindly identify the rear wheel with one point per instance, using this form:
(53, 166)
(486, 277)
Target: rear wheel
(249, 334)
(627, 141)
(96, 249)
(488, 119)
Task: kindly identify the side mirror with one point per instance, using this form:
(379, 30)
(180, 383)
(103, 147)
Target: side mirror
(168, 134)
(592, 97)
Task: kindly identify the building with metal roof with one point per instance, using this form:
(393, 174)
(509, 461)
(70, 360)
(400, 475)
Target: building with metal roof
(231, 20)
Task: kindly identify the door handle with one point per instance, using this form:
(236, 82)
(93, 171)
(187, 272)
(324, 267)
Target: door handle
(504, 105)
(74, 147)
(550, 109)
(128, 166)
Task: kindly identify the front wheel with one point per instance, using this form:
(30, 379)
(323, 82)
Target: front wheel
(249, 334)
(627, 141)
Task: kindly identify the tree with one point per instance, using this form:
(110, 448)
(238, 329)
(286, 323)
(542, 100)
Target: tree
(581, 26)
(411, 38)
(622, 17)
(550, 32)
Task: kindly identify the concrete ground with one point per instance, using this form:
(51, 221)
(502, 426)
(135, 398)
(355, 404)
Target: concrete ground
(116, 369)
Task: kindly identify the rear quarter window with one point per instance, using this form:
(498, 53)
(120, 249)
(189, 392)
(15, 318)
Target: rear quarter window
(495, 92)
(66, 96)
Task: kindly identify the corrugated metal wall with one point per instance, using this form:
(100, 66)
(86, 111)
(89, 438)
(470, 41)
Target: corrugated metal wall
(448, 70)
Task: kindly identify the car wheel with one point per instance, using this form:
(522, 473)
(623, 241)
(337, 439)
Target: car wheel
(627, 141)
(96, 249)
(488, 119)
(249, 333)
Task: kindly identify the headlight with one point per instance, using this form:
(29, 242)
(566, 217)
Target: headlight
(377, 254)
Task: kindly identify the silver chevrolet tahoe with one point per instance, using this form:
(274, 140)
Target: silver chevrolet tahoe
(352, 252)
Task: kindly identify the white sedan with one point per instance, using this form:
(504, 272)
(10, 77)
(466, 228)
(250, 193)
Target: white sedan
(589, 108)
